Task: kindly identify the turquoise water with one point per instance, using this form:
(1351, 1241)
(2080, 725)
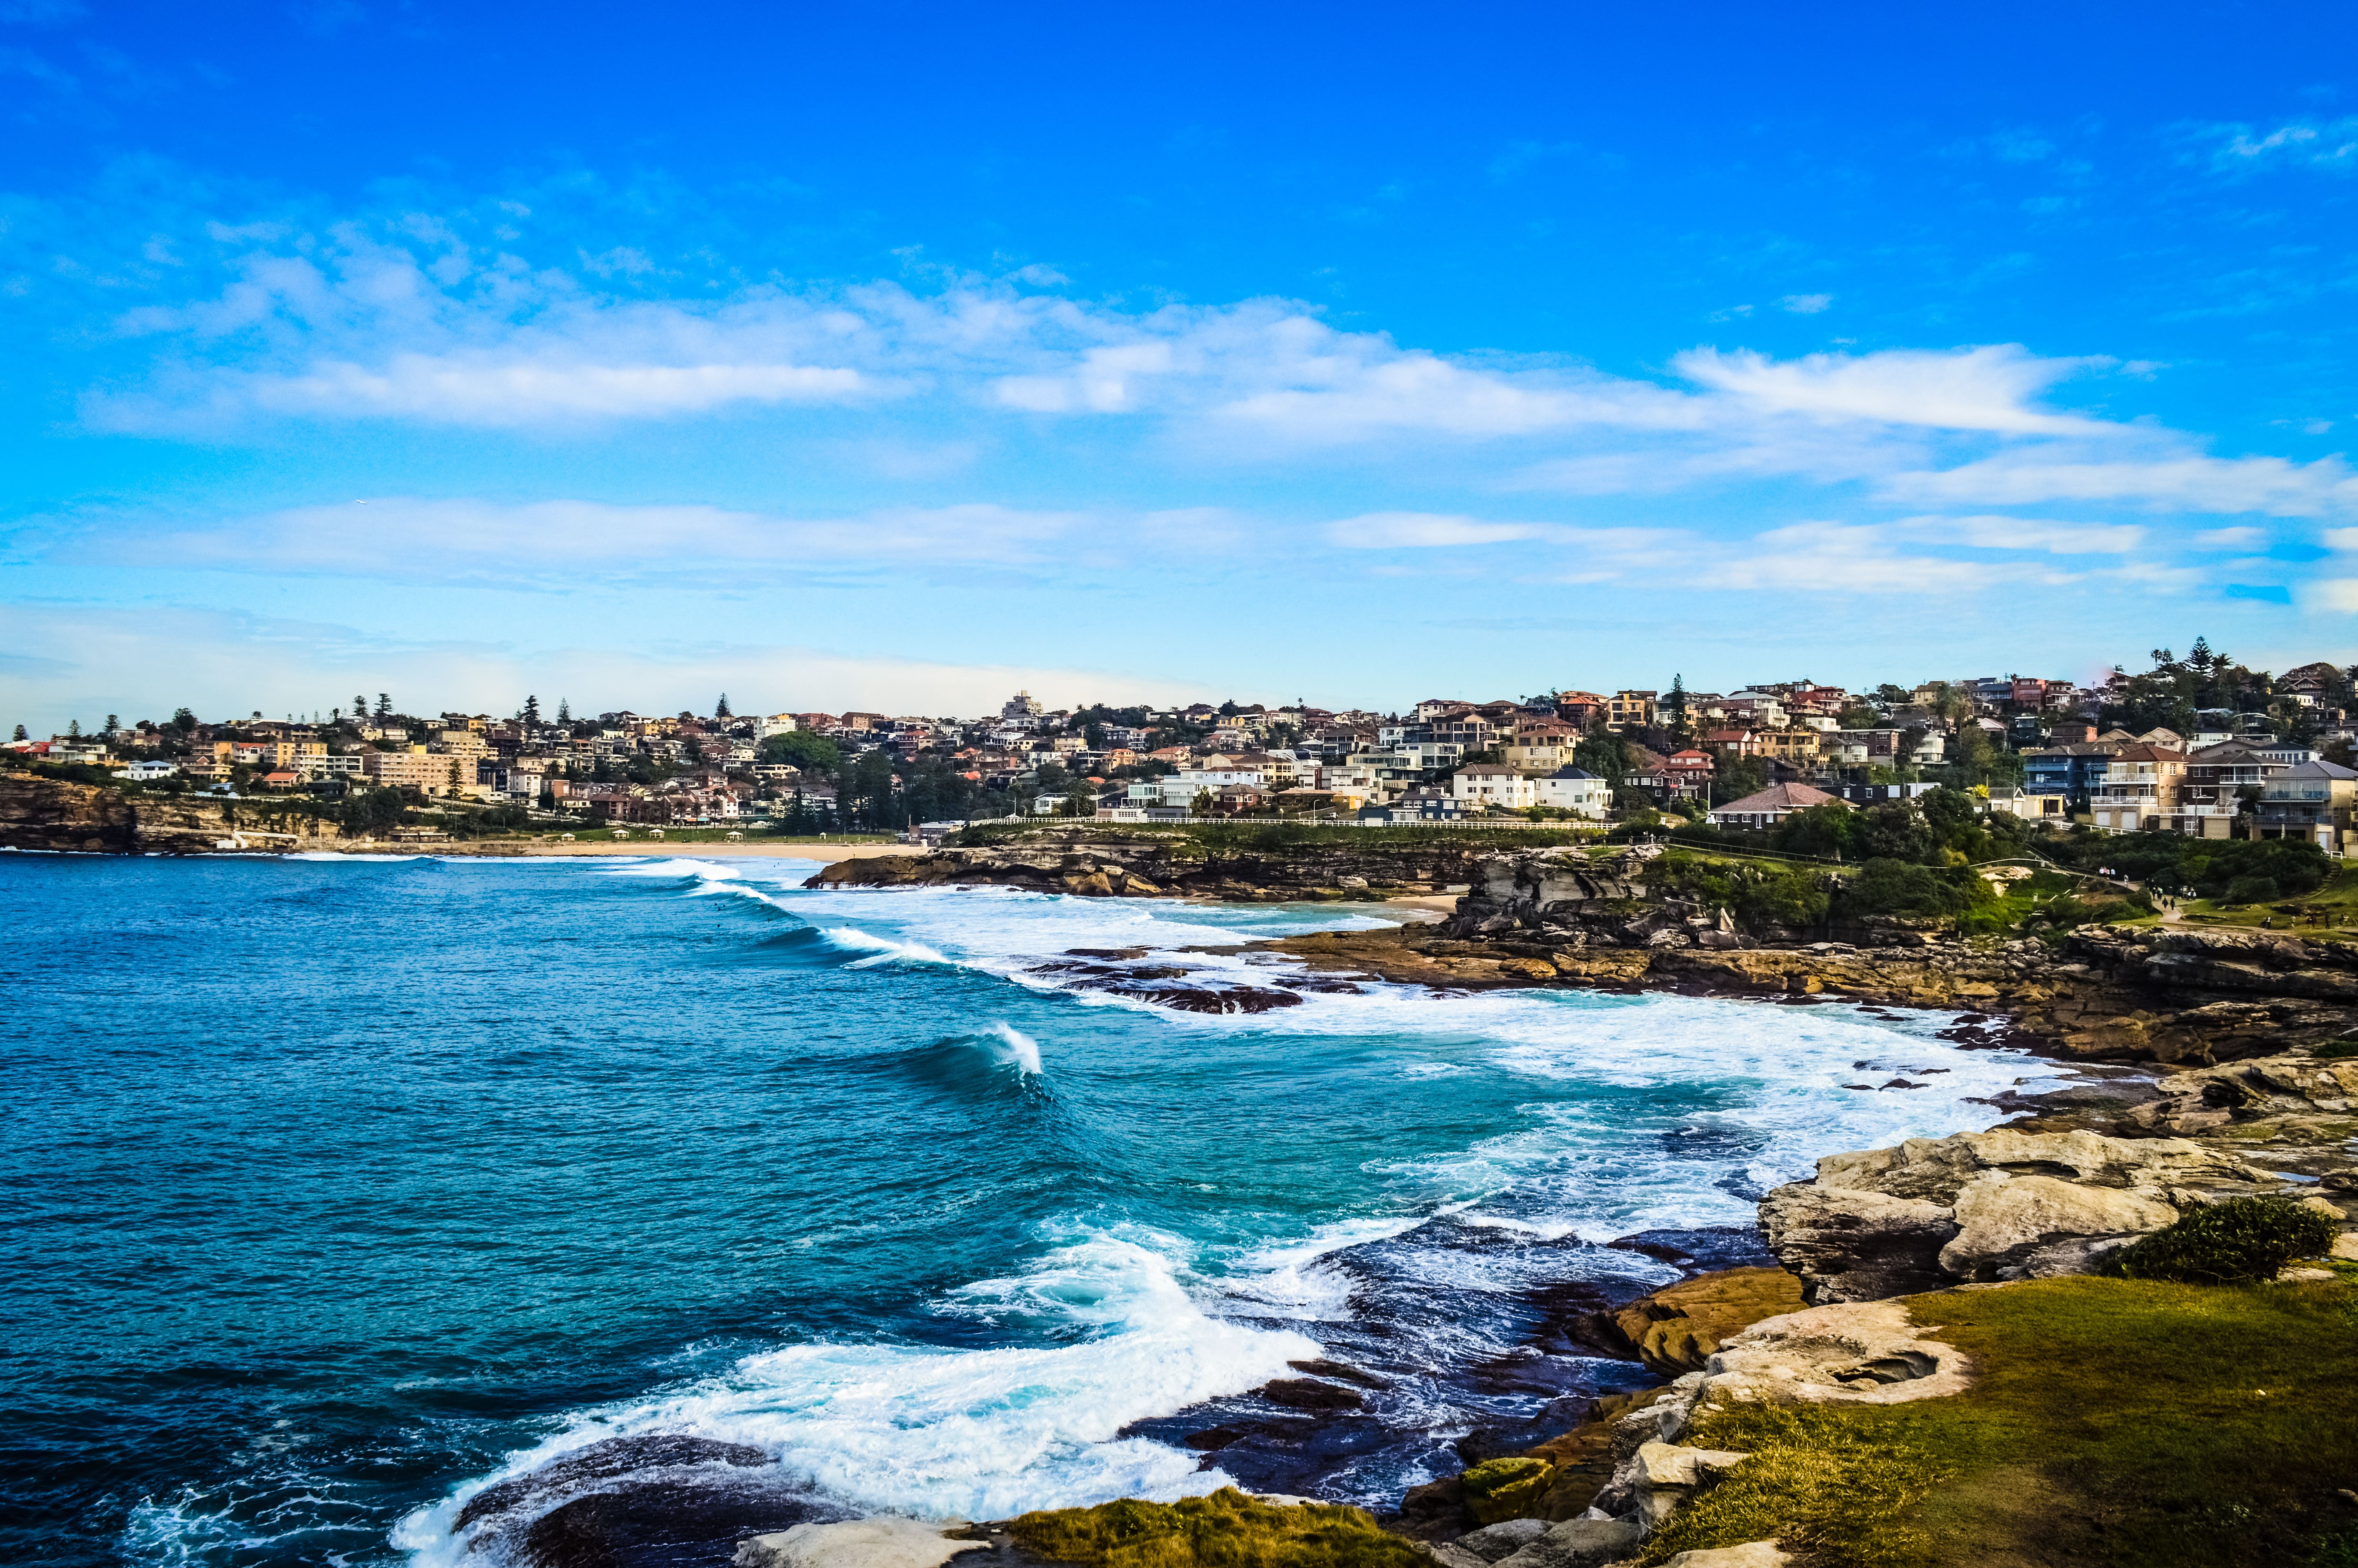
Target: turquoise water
(337, 1189)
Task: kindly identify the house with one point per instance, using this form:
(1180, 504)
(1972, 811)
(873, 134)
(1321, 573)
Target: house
(2141, 787)
(145, 773)
(2210, 799)
(2315, 800)
(1770, 807)
(2071, 772)
(1733, 743)
(1494, 787)
(1581, 709)
(1630, 710)
(1687, 774)
(1569, 789)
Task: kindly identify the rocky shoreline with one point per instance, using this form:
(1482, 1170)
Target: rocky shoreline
(2209, 1066)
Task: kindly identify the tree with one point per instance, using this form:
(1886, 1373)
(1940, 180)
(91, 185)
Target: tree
(183, 721)
(73, 728)
(20, 732)
(1677, 704)
(564, 712)
(720, 708)
(804, 749)
(383, 706)
(360, 706)
(532, 711)
(112, 724)
(1971, 756)
(1735, 777)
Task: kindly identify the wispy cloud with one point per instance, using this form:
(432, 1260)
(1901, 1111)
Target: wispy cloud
(1986, 388)
(2170, 483)
(2330, 146)
(443, 540)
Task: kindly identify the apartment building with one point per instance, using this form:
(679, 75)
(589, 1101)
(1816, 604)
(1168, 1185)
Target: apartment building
(2140, 788)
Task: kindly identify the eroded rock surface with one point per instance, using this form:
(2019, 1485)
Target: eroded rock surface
(2001, 1205)
(1097, 863)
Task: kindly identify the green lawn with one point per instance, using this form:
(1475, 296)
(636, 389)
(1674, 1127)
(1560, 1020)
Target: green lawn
(2115, 1421)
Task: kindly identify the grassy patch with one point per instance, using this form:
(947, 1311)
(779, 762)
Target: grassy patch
(2129, 1423)
(1227, 1529)
(1815, 1485)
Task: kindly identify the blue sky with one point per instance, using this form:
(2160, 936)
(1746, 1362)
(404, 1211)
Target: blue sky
(893, 356)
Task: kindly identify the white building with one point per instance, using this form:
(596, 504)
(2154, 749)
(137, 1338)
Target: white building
(1493, 785)
(141, 772)
(1569, 789)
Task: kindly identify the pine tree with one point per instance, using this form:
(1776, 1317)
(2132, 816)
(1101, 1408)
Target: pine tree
(360, 706)
(532, 711)
(20, 732)
(73, 728)
(383, 706)
(720, 708)
(564, 712)
(113, 723)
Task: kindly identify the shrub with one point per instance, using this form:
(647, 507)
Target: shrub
(2229, 1242)
(2251, 890)
(1895, 887)
(2339, 1050)
(1227, 1529)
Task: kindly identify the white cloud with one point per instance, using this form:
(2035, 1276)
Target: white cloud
(1422, 530)
(1835, 557)
(1984, 388)
(2174, 483)
(2332, 146)
(1988, 531)
(1806, 304)
(2235, 538)
(478, 389)
(2344, 540)
(408, 537)
(2339, 594)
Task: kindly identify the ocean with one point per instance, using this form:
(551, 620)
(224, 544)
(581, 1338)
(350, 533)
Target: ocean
(339, 1190)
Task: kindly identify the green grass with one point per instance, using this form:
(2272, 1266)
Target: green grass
(2128, 1422)
(1227, 1529)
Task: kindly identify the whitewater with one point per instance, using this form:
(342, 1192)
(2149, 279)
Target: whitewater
(340, 1192)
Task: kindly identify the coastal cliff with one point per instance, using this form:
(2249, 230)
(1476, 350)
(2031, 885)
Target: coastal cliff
(2098, 993)
(39, 812)
(1094, 863)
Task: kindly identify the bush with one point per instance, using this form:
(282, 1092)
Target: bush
(2339, 1050)
(2251, 890)
(1227, 1529)
(2229, 1242)
(1895, 887)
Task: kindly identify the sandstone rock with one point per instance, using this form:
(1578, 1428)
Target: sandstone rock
(1854, 1245)
(1751, 1555)
(1449, 1554)
(1676, 1328)
(1668, 1475)
(1580, 1543)
(1849, 1353)
(2003, 1219)
(883, 1541)
(1998, 1205)
(1505, 1539)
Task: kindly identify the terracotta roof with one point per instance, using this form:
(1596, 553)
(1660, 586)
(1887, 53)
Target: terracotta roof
(1778, 797)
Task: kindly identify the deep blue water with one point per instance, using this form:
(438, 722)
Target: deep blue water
(334, 1189)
